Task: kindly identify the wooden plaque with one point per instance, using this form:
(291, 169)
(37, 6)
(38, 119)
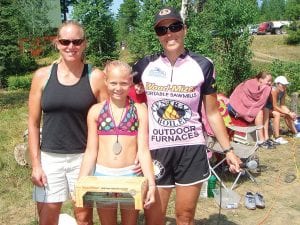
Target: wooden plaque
(135, 186)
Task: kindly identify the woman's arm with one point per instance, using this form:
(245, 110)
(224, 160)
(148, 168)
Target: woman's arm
(34, 119)
(144, 153)
(98, 86)
(92, 148)
(281, 108)
(217, 124)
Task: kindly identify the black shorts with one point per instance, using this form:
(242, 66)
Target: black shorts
(180, 165)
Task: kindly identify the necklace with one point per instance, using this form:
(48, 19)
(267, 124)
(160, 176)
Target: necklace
(117, 147)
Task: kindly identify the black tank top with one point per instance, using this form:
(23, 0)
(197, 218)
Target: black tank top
(65, 111)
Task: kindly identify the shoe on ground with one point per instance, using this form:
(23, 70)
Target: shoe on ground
(273, 142)
(281, 141)
(259, 201)
(266, 145)
(250, 201)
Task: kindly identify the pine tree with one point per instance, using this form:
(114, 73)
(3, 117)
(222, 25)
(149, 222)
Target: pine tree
(99, 25)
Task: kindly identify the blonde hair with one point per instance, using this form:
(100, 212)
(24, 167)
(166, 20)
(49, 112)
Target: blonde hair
(68, 23)
(118, 64)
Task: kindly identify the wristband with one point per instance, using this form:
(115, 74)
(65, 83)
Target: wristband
(225, 151)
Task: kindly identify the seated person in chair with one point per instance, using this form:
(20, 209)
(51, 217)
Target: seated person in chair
(248, 101)
(279, 109)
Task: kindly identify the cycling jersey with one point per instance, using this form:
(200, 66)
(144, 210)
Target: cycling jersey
(174, 97)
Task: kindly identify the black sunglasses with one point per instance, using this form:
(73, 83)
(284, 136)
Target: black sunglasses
(66, 42)
(163, 30)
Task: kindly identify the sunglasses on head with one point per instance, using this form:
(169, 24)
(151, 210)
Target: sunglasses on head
(66, 42)
(163, 30)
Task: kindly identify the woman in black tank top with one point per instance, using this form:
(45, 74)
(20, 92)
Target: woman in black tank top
(62, 93)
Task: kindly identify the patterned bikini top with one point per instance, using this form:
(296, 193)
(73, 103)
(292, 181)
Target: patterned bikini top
(129, 123)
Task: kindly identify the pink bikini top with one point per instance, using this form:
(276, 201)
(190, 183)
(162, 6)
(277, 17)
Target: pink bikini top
(128, 125)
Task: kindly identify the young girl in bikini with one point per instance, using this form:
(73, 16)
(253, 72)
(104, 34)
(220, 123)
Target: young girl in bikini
(117, 132)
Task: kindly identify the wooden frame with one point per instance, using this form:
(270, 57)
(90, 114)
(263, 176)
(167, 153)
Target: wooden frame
(135, 186)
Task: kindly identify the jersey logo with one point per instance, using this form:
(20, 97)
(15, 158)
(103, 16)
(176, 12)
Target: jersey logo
(157, 72)
(170, 113)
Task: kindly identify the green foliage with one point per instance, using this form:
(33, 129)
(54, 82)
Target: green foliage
(12, 61)
(230, 41)
(99, 26)
(289, 69)
(292, 10)
(143, 41)
(64, 4)
(203, 43)
(293, 37)
(32, 18)
(126, 19)
(19, 82)
(272, 10)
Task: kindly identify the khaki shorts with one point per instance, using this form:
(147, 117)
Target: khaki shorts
(62, 171)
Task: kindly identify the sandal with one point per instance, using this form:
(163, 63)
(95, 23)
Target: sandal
(259, 201)
(250, 201)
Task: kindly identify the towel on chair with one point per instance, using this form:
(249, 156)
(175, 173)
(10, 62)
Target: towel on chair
(248, 98)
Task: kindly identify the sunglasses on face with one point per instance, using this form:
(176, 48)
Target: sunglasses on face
(163, 30)
(66, 42)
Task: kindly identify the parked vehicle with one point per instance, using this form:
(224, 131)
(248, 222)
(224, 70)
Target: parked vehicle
(273, 27)
(253, 29)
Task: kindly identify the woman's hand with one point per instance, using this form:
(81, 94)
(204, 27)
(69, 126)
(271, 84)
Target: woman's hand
(150, 198)
(292, 115)
(233, 161)
(38, 177)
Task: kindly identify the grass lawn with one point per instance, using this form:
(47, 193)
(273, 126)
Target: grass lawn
(266, 48)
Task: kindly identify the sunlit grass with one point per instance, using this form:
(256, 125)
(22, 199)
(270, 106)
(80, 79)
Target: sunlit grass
(266, 48)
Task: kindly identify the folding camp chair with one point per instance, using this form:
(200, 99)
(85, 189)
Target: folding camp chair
(243, 140)
(244, 152)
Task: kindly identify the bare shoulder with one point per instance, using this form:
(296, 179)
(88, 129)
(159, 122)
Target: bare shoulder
(97, 107)
(42, 72)
(97, 74)
(274, 91)
(98, 84)
(141, 108)
(41, 76)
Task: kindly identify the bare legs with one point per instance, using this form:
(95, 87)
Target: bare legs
(48, 213)
(259, 121)
(266, 119)
(276, 121)
(108, 215)
(185, 205)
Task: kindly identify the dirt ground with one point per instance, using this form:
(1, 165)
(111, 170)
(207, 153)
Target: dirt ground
(282, 195)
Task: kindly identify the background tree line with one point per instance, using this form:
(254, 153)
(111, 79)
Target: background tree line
(216, 28)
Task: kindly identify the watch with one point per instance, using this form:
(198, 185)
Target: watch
(225, 151)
